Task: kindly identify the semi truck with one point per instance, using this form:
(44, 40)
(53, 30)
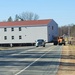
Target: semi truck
(59, 40)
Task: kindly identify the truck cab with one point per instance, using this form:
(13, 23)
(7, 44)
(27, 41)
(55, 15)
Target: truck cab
(59, 40)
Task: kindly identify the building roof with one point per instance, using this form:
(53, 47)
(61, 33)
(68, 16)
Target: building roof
(25, 23)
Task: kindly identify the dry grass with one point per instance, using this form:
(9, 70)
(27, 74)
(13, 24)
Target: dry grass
(72, 49)
(67, 63)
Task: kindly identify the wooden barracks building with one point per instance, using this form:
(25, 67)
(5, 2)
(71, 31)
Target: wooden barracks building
(22, 32)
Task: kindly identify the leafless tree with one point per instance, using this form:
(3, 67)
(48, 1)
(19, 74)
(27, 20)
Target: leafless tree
(63, 30)
(16, 18)
(28, 16)
(67, 30)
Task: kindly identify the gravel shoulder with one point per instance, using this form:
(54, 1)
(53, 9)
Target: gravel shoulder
(67, 62)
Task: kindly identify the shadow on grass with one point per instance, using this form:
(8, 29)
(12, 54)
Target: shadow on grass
(68, 56)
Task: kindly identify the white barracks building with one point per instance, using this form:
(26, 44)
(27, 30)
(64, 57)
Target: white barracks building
(22, 32)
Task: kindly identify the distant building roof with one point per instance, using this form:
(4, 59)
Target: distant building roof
(25, 23)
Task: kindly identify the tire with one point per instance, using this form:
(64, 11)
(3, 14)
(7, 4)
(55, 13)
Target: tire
(64, 44)
(55, 43)
(36, 46)
(43, 45)
(60, 43)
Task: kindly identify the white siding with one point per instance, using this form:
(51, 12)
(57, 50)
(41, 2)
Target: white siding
(29, 34)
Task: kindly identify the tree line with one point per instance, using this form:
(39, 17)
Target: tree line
(68, 30)
(24, 16)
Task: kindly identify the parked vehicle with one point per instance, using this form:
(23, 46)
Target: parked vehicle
(40, 42)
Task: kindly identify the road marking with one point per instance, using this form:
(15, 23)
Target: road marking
(23, 52)
(34, 61)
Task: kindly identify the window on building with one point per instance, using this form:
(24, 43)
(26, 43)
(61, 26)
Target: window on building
(12, 29)
(5, 37)
(5, 29)
(20, 37)
(19, 28)
(52, 27)
(12, 37)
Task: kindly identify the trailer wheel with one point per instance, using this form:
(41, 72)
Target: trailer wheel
(55, 43)
(64, 43)
(43, 45)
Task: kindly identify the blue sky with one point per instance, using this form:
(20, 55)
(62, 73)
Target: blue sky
(62, 11)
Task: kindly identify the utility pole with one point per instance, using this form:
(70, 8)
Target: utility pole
(69, 34)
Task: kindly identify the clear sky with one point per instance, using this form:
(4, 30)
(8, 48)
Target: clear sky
(62, 11)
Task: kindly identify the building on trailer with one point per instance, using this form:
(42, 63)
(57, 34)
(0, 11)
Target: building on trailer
(22, 32)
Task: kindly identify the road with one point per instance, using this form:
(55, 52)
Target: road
(30, 60)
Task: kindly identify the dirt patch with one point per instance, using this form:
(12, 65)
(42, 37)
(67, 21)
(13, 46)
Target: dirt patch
(67, 63)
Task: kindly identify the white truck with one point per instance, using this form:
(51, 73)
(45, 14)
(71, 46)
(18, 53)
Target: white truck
(40, 42)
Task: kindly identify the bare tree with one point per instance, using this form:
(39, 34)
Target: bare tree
(16, 18)
(68, 30)
(63, 30)
(28, 16)
(36, 17)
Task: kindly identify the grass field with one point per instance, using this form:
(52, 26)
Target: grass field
(67, 63)
(72, 49)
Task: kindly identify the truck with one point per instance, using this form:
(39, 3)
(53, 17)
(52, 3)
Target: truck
(59, 40)
(40, 42)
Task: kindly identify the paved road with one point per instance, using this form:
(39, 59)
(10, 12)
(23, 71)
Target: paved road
(30, 60)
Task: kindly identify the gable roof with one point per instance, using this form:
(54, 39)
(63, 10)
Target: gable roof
(25, 23)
